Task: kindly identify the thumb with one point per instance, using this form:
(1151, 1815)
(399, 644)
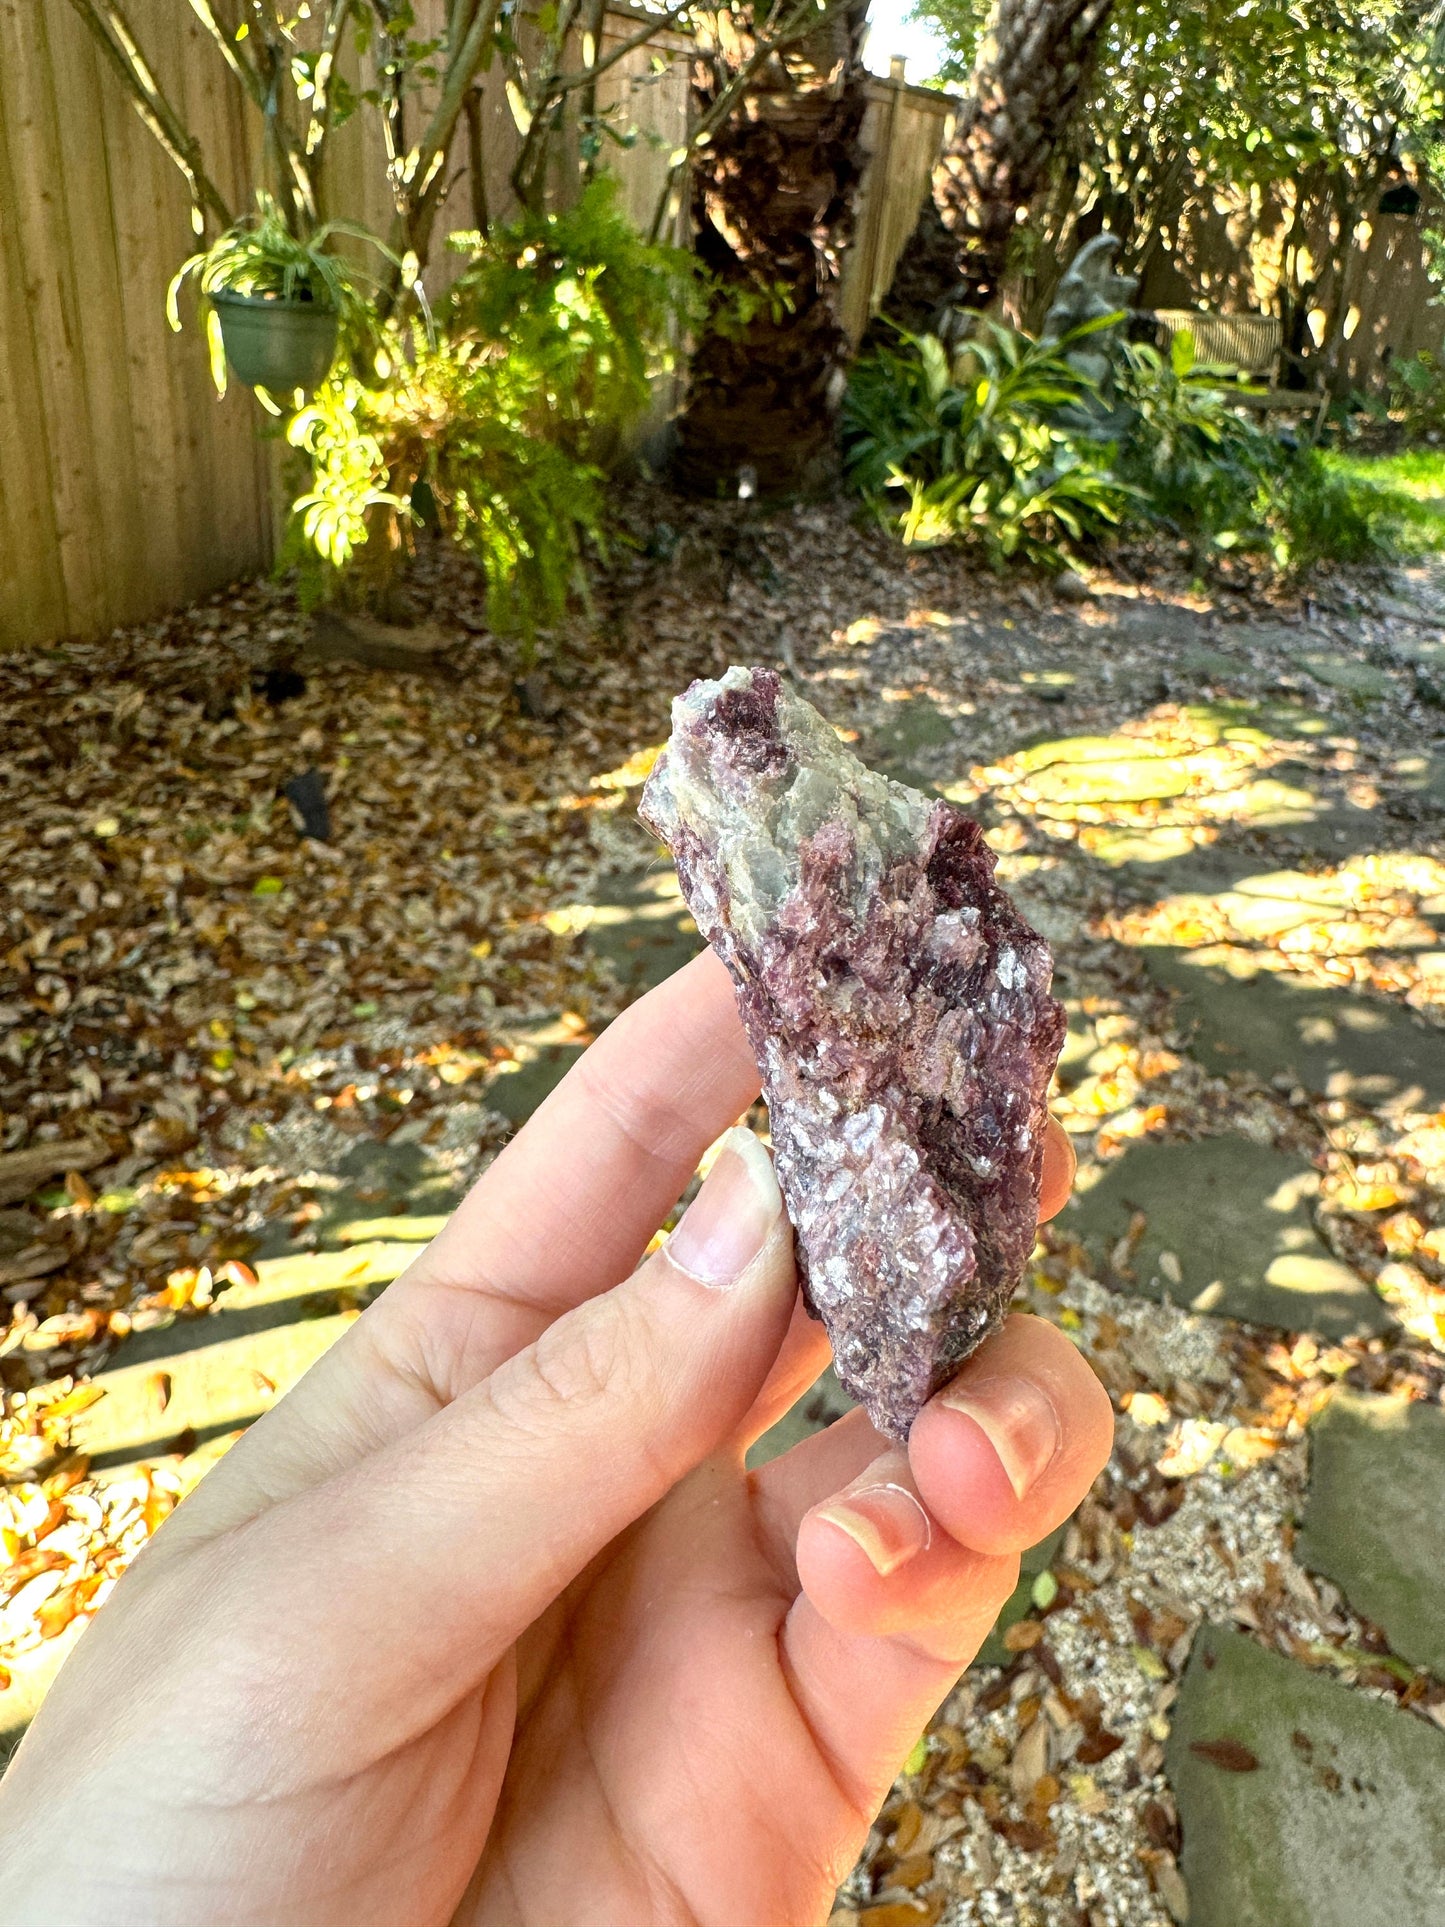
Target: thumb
(472, 1525)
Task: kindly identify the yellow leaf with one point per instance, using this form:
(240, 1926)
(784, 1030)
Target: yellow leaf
(217, 349)
(80, 1400)
(521, 112)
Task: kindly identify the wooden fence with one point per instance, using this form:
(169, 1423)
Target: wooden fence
(126, 487)
(1225, 250)
(903, 130)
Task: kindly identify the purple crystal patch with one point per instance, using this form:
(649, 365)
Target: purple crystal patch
(900, 1012)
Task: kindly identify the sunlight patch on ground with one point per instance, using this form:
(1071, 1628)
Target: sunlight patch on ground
(1365, 924)
(1184, 770)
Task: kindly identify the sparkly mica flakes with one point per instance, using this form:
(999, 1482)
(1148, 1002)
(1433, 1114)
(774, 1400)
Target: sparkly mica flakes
(899, 1008)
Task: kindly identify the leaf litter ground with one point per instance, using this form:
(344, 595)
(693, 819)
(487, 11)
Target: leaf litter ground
(202, 1012)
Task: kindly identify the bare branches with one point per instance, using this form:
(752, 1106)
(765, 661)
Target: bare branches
(528, 172)
(588, 76)
(112, 33)
(229, 49)
(338, 13)
(422, 170)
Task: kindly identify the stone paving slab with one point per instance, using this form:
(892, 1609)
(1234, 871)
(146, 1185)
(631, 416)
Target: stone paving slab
(220, 1383)
(1215, 664)
(907, 743)
(1348, 673)
(1423, 779)
(1228, 1231)
(1375, 1518)
(305, 1274)
(1338, 1825)
(377, 1179)
(641, 925)
(1332, 1041)
(516, 1089)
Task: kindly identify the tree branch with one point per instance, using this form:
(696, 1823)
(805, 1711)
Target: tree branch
(112, 33)
(422, 176)
(543, 108)
(229, 49)
(592, 27)
(319, 125)
(587, 76)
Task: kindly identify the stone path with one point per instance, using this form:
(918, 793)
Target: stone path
(1375, 1522)
(1305, 1804)
(1232, 851)
(1225, 1227)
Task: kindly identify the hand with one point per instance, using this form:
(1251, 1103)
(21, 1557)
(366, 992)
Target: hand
(485, 1621)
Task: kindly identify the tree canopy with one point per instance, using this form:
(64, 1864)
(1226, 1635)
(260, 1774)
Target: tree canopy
(1255, 90)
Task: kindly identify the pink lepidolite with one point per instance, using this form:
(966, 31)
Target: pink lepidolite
(900, 1012)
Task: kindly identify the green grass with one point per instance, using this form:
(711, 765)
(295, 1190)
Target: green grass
(1406, 489)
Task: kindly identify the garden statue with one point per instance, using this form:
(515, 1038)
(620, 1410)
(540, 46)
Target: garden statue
(1090, 290)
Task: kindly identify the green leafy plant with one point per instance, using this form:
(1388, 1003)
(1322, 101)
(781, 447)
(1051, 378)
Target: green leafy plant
(261, 257)
(1417, 395)
(1204, 469)
(968, 446)
(593, 311)
(508, 411)
(976, 446)
(1195, 458)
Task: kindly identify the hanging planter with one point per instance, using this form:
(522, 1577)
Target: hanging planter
(273, 304)
(275, 343)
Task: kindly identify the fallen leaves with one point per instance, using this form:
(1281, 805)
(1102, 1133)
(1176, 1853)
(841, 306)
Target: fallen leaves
(22, 1171)
(1230, 1756)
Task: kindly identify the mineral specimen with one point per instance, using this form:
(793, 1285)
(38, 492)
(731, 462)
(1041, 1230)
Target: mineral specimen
(900, 1012)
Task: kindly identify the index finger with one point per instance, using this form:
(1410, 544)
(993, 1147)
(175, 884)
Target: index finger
(568, 1208)
(563, 1213)
(1060, 1163)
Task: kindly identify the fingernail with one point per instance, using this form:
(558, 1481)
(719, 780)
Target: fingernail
(727, 1223)
(882, 1518)
(1018, 1419)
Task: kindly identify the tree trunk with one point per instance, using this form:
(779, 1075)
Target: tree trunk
(1032, 60)
(772, 207)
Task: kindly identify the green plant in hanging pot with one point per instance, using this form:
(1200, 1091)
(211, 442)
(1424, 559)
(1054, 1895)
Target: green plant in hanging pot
(275, 306)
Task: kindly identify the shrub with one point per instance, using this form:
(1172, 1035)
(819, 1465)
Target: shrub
(988, 445)
(593, 311)
(1204, 469)
(968, 446)
(1417, 396)
(508, 409)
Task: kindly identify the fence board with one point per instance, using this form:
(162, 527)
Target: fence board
(137, 490)
(48, 273)
(32, 602)
(903, 129)
(118, 533)
(1222, 249)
